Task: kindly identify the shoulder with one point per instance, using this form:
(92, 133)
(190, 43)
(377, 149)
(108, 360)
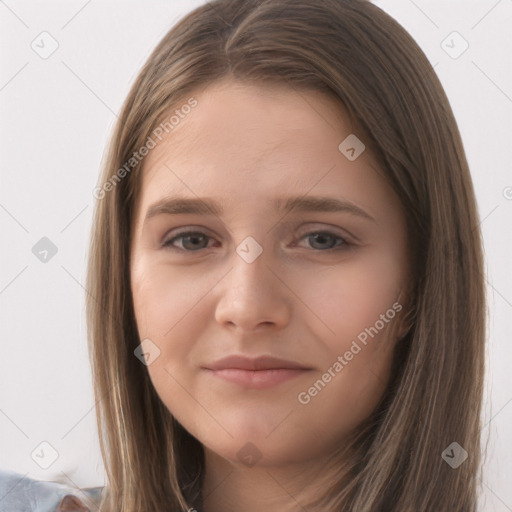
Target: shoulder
(19, 493)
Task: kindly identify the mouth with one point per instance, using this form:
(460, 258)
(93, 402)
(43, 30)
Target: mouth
(256, 379)
(256, 373)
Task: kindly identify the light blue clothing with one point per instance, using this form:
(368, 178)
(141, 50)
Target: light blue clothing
(19, 493)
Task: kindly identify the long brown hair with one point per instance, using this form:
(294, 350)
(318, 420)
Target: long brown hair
(362, 58)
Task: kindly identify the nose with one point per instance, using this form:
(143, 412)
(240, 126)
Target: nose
(254, 295)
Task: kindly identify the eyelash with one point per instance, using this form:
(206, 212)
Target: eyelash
(345, 245)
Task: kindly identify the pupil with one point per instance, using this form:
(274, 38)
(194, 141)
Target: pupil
(321, 238)
(194, 238)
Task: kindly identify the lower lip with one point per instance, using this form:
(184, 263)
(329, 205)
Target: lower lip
(257, 379)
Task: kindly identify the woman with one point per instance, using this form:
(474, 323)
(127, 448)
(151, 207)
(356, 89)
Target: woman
(241, 364)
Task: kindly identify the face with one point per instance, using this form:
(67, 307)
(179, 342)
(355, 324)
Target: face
(317, 285)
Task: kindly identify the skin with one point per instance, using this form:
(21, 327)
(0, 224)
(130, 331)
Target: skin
(244, 145)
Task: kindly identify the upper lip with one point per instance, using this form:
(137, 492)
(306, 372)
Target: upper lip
(254, 363)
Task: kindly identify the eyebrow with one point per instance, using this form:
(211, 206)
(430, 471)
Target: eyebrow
(207, 206)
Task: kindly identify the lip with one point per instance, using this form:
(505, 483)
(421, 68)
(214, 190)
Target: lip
(255, 363)
(257, 373)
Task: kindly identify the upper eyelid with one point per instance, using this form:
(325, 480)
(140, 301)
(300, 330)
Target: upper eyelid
(199, 229)
(347, 239)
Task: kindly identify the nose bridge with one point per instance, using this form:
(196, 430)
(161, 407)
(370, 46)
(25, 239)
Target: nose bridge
(250, 274)
(252, 294)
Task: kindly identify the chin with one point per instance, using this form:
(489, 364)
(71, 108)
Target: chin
(252, 446)
(258, 453)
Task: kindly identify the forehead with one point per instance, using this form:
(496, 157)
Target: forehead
(252, 141)
(248, 119)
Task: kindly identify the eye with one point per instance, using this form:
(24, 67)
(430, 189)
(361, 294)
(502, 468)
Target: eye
(322, 238)
(190, 241)
(321, 241)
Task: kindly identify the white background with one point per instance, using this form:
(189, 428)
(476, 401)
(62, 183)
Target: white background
(55, 117)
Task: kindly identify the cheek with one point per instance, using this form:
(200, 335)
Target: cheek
(332, 410)
(351, 297)
(164, 305)
(356, 367)
(357, 305)
(170, 311)
(162, 296)
(162, 309)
